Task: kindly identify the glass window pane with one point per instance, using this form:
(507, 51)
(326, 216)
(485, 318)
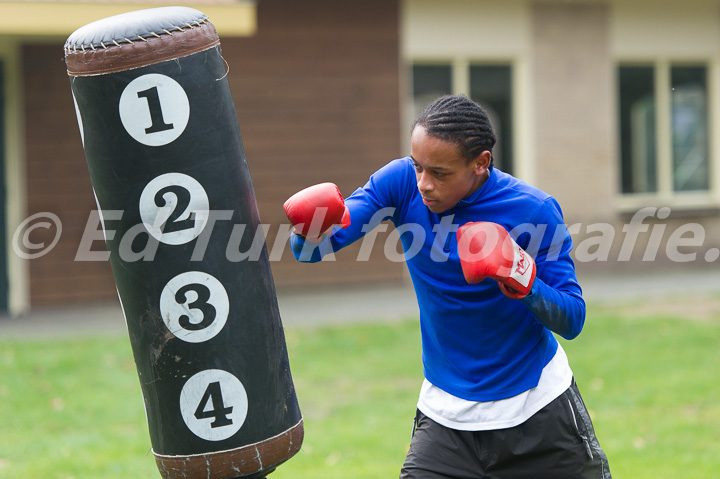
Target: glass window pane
(690, 128)
(429, 82)
(491, 87)
(638, 161)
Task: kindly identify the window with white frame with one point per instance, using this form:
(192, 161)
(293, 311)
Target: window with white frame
(664, 132)
(490, 85)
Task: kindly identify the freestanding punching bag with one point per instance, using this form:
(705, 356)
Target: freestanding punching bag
(172, 186)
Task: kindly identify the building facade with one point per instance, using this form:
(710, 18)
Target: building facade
(610, 106)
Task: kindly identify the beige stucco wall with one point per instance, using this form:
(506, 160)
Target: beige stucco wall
(666, 28)
(573, 93)
(470, 28)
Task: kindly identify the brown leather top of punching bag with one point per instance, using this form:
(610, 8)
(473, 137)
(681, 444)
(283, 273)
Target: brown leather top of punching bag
(137, 39)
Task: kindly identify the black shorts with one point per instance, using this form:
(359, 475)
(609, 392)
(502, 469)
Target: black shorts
(558, 442)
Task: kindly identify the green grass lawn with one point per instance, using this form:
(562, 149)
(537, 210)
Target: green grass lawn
(651, 379)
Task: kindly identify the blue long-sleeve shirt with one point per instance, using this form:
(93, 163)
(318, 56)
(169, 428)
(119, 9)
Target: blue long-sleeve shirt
(478, 344)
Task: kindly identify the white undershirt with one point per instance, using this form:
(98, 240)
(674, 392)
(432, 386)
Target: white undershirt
(464, 415)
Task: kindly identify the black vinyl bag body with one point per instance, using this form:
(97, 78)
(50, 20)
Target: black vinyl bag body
(173, 190)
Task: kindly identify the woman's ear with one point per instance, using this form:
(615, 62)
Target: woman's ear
(482, 162)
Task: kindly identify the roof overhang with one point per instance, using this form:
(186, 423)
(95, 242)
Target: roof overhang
(231, 18)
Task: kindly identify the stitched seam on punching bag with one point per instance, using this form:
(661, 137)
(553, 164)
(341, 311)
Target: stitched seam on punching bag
(118, 41)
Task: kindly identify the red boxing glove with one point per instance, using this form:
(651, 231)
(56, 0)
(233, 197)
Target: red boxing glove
(316, 209)
(487, 250)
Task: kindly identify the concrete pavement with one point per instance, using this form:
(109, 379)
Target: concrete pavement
(367, 303)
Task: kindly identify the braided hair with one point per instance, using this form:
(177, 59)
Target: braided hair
(459, 120)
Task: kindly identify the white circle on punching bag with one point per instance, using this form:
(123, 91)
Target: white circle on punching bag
(194, 306)
(213, 404)
(174, 208)
(154, 109)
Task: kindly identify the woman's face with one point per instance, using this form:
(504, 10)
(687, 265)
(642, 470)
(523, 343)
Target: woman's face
(444, 176)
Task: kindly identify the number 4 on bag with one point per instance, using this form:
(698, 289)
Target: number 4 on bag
(214, 404)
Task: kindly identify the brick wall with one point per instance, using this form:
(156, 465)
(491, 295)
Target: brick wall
(58, 181)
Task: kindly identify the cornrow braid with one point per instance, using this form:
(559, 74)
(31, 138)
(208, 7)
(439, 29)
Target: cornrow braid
(459, 120)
